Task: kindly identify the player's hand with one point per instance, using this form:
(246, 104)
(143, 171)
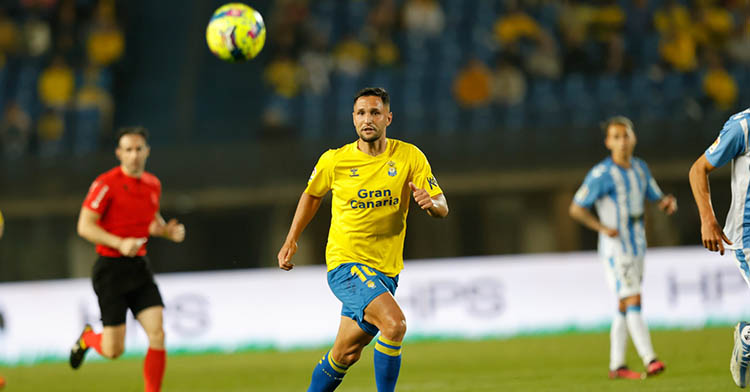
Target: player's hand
(174, 230)
(421, 197)
(610, 232)
(668, 204)
(129, 246)
(713, 237)
(285, 255)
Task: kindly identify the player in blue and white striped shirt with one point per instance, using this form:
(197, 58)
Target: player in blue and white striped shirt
(731, 145)
(618, 187)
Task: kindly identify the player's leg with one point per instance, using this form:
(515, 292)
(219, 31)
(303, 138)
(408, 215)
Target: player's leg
(618, 334)
(630, 273)
(640, 334)
(331, 369)
(113, 307)
(151, 319)
(384, 313)
(740, 359)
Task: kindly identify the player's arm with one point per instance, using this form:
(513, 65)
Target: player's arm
(668, 204)
(712, 235)
(586, 218)
(172, 230)
(436, 206)
(306, 208)
(2, 225)
(89, 229)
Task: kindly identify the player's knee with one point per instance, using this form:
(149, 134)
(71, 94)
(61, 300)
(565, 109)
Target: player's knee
(349, 356)
(394, 329)
(156, 337)
(112, 351)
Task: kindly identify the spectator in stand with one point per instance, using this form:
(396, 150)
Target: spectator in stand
(56, 84)
(718, 84)
(573, 24)
(544, 60)
(423, 18)
(317, 64)
(472, 85)
(351, 56)
(50, 129)
(9, 34)
(515, 25)
(106, 42)
(284, 74)
(92, 113)
(738, 47)
(15, 131)
(508, 83)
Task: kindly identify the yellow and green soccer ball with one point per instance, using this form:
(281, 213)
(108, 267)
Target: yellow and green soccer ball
(236, 32)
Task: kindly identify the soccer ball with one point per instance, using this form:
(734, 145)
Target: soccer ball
(236, 32)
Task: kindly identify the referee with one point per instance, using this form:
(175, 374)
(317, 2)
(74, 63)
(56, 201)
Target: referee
(119, 213)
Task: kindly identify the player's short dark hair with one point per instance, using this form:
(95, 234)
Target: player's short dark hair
(617, 120)
(136, 130)
(374, 92)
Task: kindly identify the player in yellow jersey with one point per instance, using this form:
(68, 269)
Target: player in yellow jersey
(372, 181)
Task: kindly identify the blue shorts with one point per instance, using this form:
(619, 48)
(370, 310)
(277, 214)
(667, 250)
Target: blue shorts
(356, 285)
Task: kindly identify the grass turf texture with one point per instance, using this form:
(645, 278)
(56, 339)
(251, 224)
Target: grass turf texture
(697, 360)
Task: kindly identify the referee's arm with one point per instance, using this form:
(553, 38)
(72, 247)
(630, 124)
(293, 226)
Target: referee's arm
(89, 229)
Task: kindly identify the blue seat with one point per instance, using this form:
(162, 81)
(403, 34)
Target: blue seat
(580, 108)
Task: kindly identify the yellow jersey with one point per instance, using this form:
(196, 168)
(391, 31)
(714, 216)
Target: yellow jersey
(371, 198)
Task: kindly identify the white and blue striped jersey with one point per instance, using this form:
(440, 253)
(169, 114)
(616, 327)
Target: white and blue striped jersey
(619, 194)
(732, 145)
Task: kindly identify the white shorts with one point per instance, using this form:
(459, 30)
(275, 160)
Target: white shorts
(624, 274)
(741, 257)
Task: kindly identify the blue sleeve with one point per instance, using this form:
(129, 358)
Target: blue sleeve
(594, 186)
(653, 192)
(729, 144)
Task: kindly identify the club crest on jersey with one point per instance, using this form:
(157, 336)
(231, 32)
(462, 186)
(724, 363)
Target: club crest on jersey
(370, 284)
(354, 172)
(392, 169)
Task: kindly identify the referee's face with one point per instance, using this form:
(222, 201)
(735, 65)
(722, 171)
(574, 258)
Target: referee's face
(371, 118)
(132, 153)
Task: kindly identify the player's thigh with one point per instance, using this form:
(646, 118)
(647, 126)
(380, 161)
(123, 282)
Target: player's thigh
(356, 286)
(151, 318)
(385, 313)
(624, 274)
(152, 321)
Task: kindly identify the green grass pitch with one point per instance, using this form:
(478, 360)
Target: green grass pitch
(696, 360)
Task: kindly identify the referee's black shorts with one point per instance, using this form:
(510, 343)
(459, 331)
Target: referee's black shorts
(123, 283)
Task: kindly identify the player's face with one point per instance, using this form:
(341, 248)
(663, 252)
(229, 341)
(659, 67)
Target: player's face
(621, 141)
(371, 118)
(132, 153)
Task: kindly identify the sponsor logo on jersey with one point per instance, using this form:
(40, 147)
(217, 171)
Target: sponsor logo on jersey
(373, 199)
(95, 203)
(715, 145)
(583, 191)
(354, 172)
(312, 175)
